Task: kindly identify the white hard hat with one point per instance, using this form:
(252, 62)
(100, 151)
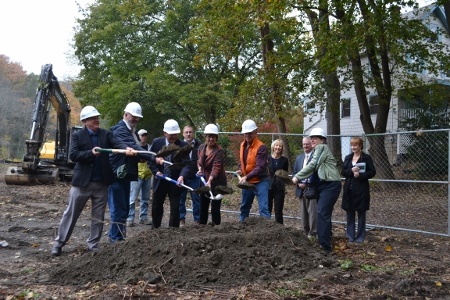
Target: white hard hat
(142, 131)
(135, 109)
(171, 127)
(88, 112)
(211, 129)
(318, 132)
(249, 126)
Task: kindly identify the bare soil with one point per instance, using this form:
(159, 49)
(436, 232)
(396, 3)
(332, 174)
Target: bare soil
(259, 259)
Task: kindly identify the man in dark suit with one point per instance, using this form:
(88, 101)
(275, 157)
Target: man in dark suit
(191, 180)
(161, 187)
(125, 170)
(308, 207)
(91, 176)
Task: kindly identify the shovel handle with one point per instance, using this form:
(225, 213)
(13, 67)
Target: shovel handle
(174, 181)
(211, 196)
(123, 151)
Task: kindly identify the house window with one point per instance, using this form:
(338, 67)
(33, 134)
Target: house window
(310, 107)
(445, 73)
(373, 104)
(415, 65)
(435, 33)
(345, 107)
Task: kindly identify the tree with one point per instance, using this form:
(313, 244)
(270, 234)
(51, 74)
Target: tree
(139, 51)
(16, 94)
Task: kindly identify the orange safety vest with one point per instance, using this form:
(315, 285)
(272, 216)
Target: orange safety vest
(250, 164)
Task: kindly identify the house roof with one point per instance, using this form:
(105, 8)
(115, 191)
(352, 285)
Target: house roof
(425, 12)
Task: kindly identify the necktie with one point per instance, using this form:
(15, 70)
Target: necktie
(94, 138)
(133, 133)
(305, 161)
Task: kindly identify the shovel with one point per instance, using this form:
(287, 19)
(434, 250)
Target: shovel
(183, 153)
(123, 151)
(245, 185)
(167, 150)
(197, 191)
(217, 197)
(284, 176)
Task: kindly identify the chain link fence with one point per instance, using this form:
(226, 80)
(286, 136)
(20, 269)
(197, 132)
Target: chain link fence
(411, 189)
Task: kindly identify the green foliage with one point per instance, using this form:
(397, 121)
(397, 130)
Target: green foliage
(284, 292)
(367, 267)
(346, 264)
(139, 51)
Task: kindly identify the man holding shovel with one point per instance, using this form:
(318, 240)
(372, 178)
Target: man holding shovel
(253, 157)
(126, 170)
(161, 187)
(91, 176)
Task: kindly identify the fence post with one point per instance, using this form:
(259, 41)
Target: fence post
(448, 183)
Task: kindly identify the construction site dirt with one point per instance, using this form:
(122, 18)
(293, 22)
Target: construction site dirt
(258, 259)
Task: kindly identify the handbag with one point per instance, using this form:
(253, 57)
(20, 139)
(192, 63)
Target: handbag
(311, 192)
(122, 171)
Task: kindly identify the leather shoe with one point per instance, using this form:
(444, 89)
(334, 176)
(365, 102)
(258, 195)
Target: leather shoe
(56, 251)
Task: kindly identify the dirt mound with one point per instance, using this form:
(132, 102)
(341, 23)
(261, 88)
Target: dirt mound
(228, 255)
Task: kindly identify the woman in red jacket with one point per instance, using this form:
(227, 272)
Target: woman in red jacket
(211, 167)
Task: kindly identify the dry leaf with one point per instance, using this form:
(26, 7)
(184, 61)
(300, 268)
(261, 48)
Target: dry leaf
(388, 248)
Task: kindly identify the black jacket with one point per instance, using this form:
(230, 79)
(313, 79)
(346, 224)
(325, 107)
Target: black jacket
(358, 197)
(156, 146)
(81, 153)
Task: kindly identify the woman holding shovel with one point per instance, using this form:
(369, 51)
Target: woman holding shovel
(211, 168)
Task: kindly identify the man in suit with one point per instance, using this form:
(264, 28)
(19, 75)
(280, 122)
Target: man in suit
(125, 170)
(91, 176)
(191, 180)
(161, 187)
(308, 207)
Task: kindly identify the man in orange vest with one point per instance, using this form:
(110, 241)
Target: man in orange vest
(253, 168)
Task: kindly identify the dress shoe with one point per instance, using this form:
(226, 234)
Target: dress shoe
(56, 251)
(146, 222)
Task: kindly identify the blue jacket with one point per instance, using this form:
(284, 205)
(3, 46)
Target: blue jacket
(123, 134)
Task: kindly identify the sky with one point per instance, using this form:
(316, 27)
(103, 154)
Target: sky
(38, 32)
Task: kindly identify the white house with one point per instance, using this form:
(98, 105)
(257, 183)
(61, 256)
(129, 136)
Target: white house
(434, 17)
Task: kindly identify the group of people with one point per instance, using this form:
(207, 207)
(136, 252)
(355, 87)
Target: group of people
(112, 167)
(315, 168)
(319, 169)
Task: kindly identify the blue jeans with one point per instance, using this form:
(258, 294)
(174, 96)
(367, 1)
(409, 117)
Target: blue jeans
(119, 205)
(328, 194)
(262, 194)
(141, 187)
(193, 182)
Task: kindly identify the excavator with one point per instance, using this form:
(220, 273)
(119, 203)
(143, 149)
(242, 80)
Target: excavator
(33, 168)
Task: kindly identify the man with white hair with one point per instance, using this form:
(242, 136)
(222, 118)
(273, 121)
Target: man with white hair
(125, 170)
(91, 176)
